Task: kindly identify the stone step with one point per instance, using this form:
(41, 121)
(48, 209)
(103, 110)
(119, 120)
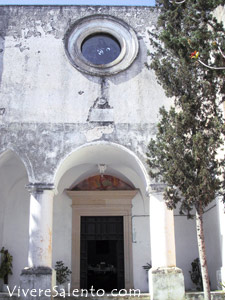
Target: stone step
(6, 296)
(200, 295)
(130, 297)
(188, 296)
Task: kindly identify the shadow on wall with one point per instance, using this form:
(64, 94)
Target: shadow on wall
(14, 212)
(126, 75)
(136, 67)
(3, 28)
(1, 56)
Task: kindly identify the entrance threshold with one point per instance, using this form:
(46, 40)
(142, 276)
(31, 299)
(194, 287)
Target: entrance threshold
(218, 295)
(143, 296)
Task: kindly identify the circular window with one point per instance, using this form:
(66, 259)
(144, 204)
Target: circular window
(100, 48)
(101, 45)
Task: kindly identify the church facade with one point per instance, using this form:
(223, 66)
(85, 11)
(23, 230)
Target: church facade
(78, 108)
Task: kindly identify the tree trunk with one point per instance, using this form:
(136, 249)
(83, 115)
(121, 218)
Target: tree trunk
(201, 250)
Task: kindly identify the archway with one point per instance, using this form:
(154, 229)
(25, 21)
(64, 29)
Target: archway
(14, 211)
(120, 161)
(132, 205)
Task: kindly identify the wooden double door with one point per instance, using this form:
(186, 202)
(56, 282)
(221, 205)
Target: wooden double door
(102, 253)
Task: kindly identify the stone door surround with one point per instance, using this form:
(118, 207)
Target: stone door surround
(102, 203)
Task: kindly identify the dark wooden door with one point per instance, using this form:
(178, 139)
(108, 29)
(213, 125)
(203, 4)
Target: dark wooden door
(102, 253)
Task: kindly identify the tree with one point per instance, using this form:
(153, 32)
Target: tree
(185, 153)
(62, 272)
(5, 265)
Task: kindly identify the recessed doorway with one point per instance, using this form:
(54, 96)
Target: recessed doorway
(102, 204)
(102, 253)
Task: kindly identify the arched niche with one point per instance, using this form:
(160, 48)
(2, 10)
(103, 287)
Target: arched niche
(14, 211)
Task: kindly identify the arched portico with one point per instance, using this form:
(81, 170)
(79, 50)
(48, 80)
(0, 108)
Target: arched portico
(121, 163)
(119, 160)
(14, 211)
(84, 166)
(124, 164)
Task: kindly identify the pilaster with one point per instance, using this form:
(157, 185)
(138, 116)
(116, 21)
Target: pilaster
(39, 274)
(166, 281)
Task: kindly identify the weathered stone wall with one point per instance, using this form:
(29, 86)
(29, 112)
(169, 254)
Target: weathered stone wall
(46, 103)
(46, 113)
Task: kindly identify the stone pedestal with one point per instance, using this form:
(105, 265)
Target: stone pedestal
(166, 284)
(37, 283)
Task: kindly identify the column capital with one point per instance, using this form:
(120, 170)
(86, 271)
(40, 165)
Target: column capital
(39, 187)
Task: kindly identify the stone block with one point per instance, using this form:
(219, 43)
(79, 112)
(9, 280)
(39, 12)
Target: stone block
(166, 284)
(37, 283)
(101, 115)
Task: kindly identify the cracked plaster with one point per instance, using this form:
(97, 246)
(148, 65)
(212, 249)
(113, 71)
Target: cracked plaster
(50, 108)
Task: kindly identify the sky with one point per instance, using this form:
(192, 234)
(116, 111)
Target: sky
(79, 2)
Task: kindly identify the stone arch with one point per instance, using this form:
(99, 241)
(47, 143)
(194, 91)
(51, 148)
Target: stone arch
(14, 210)
(113, 155)
(81, 164)
(22, 157)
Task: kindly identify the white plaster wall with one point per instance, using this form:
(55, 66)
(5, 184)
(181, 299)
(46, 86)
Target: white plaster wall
(14, 214)
(42, 85)
(141, 241)
(212, 240)
(137, 99)
(62, 229)
(186, 246)
(62, 222)
(220, 13)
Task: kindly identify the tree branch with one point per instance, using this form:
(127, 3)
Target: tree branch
(177, 2)
(221, 52)
(210, 67)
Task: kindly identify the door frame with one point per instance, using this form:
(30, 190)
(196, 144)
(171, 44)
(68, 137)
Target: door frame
(102, 203)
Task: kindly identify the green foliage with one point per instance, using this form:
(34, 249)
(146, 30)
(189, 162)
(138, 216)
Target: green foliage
(190, 137)
(62, 272)
(184, 29)
(6, 265)
(196, 275)
(184, 154)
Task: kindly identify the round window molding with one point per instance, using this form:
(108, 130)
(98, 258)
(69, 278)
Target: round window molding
(114, 41)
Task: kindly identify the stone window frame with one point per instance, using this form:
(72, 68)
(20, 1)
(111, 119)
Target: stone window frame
(95, 24)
